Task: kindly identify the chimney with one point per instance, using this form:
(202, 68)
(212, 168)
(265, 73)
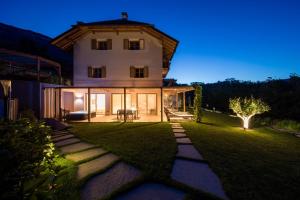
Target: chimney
(124, 15)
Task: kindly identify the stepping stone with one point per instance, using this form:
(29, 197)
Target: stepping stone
(96, 165)
(199, 176)
(58, 135)
(104, 184)
(153, 191)
(179, 135)
(60, 132)
(177, 127)
(183, 141)
(178, 130)
(55, 139)
(175, 123)
(67, 141)
(76, 147)
(188, 151)
(297, 135)
(80, 156)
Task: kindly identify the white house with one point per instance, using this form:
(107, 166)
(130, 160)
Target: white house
(118, 71)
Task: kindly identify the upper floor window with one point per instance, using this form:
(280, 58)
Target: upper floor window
(134, 44)
(101, 44)
(139, 72)
(97, 72)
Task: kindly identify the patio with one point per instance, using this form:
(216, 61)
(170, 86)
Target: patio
(90, 104)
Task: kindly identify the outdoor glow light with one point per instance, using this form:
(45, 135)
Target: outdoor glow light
(78, 101)
(78, 95)
(246, 121)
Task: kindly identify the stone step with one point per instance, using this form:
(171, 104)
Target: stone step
(152, 191)
(199, 176)
(179, 135)
(104, 184)
(178, 130)
(67, 142)
(84, 155)
(177, 127)
(189, 152)
(59, 135)
(183, 141)
(95, 165)
(56, 139)
(76, 147)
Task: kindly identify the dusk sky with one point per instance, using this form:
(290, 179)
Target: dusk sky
(219, 39)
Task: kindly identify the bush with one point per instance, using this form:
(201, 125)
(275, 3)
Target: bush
(289, 125)
(26, 151)
(197, 104)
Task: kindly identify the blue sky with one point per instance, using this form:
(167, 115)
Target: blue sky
(219, 39)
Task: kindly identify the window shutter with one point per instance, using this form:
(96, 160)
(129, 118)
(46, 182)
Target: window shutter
(109, 44)
(142, 44)
(103, 72)
(90, 71)
(94, 44)
(146, 71)
(126, 43)
(132, 71)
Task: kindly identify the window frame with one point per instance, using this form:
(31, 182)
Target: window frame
(134, 47)
(139, 72)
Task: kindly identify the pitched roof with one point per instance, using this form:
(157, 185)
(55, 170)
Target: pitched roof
(116, 22)
(66, 39)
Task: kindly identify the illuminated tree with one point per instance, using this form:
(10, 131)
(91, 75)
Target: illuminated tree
(245, 108)
(198, 103)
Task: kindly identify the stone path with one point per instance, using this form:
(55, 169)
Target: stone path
(153, 191)
(103, 173)
(190, 169)
(101, 185)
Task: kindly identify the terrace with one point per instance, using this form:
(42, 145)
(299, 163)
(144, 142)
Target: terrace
(93, 104)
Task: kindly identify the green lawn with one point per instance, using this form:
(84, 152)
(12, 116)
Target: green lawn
(148, 146)
(253, 164)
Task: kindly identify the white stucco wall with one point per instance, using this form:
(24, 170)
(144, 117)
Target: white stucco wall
(118, 61)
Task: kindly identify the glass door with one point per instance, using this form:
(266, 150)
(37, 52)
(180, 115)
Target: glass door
(118, 102)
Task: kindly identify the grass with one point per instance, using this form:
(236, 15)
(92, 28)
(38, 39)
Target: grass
(254, 164)
(148, 146)
(65, 186)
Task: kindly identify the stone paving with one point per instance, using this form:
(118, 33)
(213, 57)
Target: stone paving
(101, 185)
(190, 169)
(63, 137)
(96, 165)
(153, 191)
(84, 155)
(66, 142)
(184, 140)
(104, 173)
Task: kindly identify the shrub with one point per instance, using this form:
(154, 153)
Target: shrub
(198, 103)
(26, 151)
(289, 125)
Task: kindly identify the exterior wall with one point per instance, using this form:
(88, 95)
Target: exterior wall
(30, 95)
(118, 61)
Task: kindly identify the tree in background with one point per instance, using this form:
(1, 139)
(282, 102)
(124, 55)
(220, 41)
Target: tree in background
(198, 103)
(245, 108)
